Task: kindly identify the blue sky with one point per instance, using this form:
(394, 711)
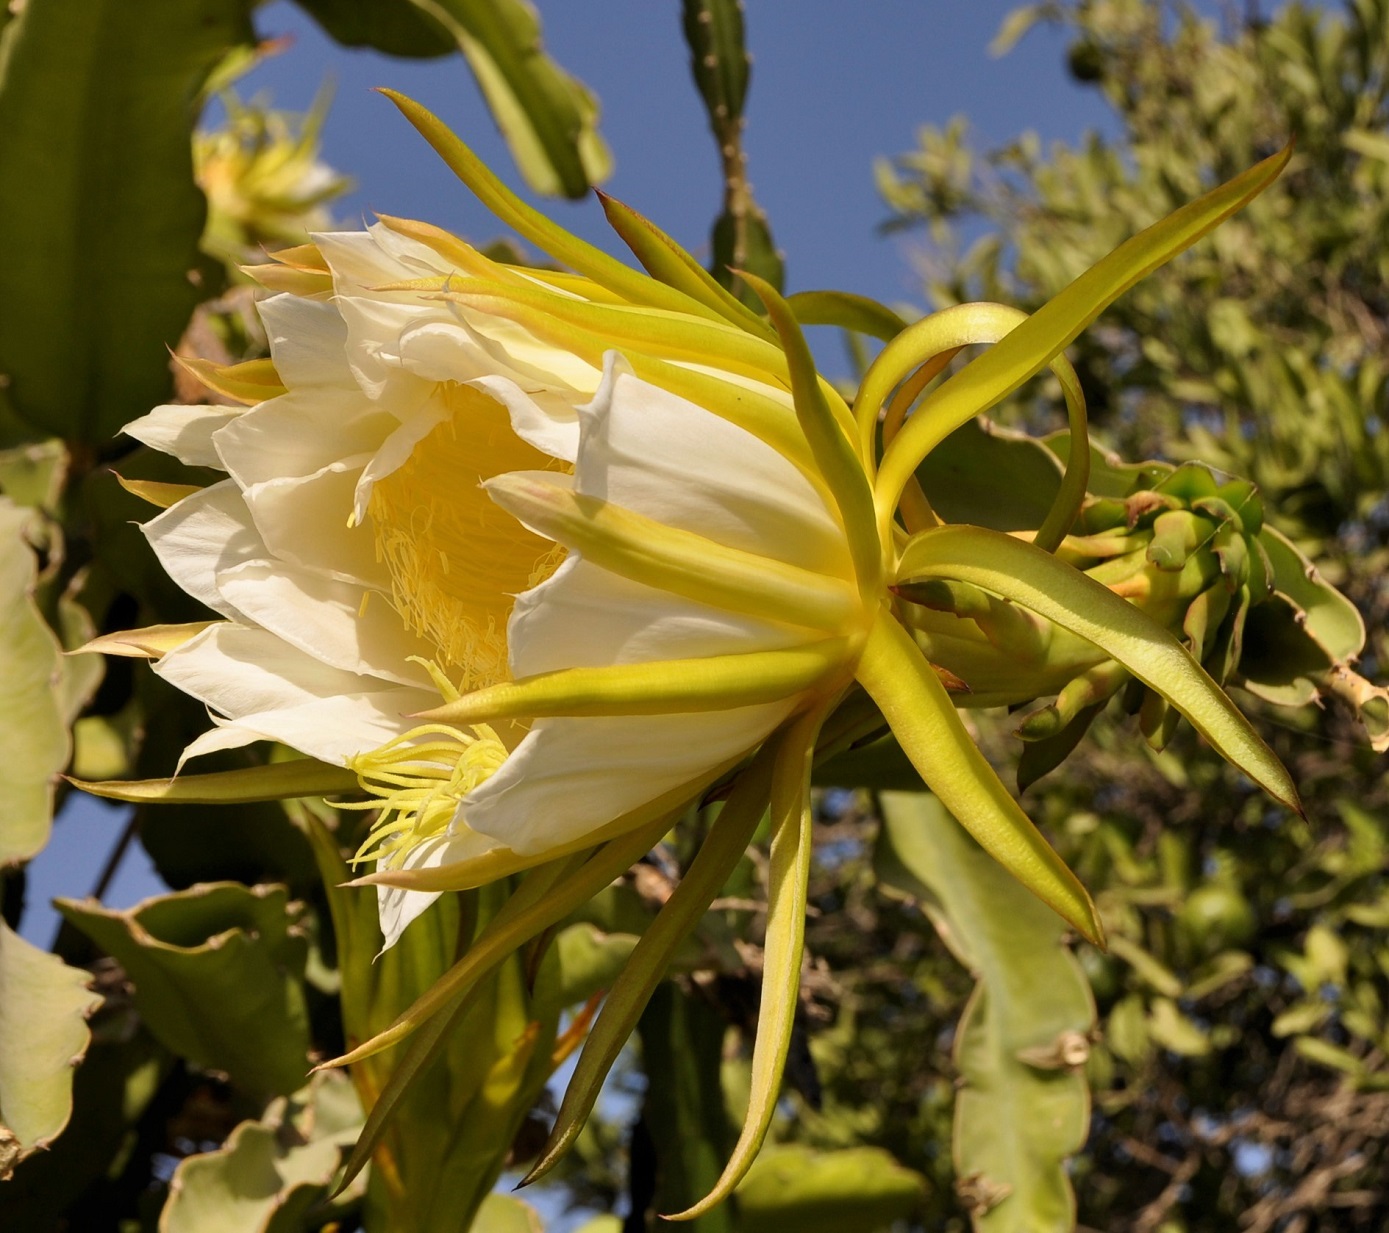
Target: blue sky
(835, 85)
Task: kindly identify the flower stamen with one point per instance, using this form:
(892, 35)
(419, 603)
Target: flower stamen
(417, 783)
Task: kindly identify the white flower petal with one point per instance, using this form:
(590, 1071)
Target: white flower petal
(307, 338)
(569, 777)
(343, 625)
(206, 532)
(184, 432)
(584, 616)
(672, 460)
(414, 424)
(300, 433)
(433, 338)
(543, 418)
(364, 259)
(305, 521)
(263, 684)
(399, 907)
(219, 737)
(532, 362)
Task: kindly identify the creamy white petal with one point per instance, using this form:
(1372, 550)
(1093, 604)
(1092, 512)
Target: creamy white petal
(543, 418)
(307, 338)
(414, 423)
(243, 670)
(219, 737)
(364, 259)
(399, 907)
(336, 729)
(206, 532)
(670, 459)
(374, 325)
(531, 361)
(584, 616)
(263, 684)
(343, 625)
(184, 432)
(300, 433)
(436, 339)
(305, 521)
(569, 777)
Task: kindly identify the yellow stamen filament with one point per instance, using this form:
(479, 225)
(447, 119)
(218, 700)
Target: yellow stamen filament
(418, 780)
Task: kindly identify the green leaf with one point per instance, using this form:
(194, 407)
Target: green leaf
(581, 961)
(1015, 25)
(792, 1188)
(1149, 970)
(97, 109)
(111, 1091)
(878, 764)
(990, 477)
(395, 27)
(1329, 618)
(1170, 1029)
(1330, 1055)
(44, 1005)
(549, 120)
(1110, 475)
(684, 1108)
(504, 1213)
(1024, 1106)
(217, 973)
(1038, 581)
(33, 727)
(1279, 659)
(35, 475)
(269, 1172)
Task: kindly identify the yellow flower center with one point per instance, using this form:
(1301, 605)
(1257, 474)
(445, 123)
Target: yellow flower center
(418, 780)
(455, 558)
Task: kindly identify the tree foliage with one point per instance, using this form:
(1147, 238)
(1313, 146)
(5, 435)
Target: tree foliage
(1240, 1068)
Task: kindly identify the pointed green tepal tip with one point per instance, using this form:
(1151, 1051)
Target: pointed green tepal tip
(530, 224)
(277, 782)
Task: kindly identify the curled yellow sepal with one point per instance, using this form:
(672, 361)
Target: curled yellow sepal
(279, 781)
(249, 383)
(157, 493)
(660, 687)
(681, 562)
(152, 642)
(788, 882)
(1003, 368)
(929, 729)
